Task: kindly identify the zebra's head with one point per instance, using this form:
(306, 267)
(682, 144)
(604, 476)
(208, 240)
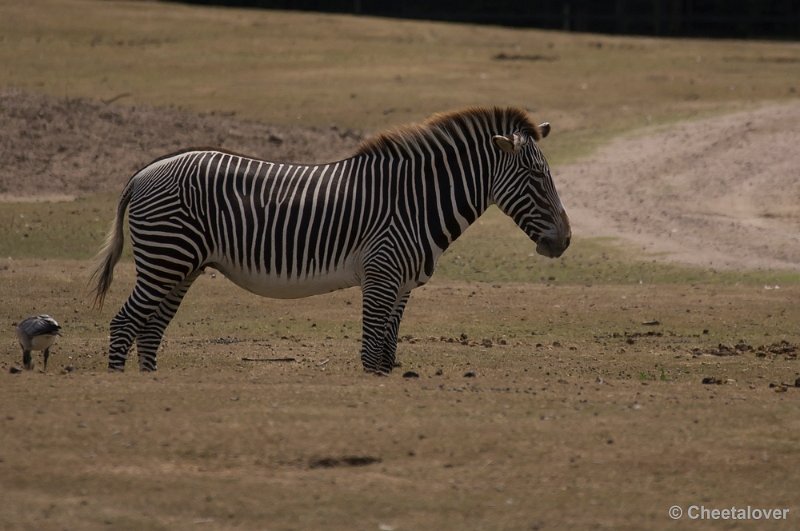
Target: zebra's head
(523, 188)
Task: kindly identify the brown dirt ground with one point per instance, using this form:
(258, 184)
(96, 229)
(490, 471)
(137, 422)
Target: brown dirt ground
(66, 147)
(586, 408)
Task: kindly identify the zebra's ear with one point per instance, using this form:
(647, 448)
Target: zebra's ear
(544, 129)
(508, 144)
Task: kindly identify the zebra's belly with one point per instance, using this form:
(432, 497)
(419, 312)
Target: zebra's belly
(282, 287)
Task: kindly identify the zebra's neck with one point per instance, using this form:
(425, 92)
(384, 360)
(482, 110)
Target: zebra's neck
(442, 184)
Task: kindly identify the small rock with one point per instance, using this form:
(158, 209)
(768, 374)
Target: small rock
(797, 382)
(14, 369)
(440, 372)
(410, 374)
(711, 380)
(67, 369)
(652, 322)
(469, 374)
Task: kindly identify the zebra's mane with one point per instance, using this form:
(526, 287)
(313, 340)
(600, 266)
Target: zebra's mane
(447, 125)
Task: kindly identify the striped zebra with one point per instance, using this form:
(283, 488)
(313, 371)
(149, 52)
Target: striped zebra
(379, 220)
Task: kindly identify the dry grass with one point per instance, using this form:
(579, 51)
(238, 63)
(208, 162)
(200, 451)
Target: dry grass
(579, 415)
(308, 69)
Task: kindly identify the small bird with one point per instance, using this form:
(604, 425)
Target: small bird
(37, 333)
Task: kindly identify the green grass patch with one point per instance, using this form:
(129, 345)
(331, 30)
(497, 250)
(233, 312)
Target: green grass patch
(63, 229)
(492, 250)
(495, 250)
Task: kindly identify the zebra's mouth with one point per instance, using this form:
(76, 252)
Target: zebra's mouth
(550, 248)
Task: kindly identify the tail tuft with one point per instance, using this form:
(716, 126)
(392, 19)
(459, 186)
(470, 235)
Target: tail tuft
(111, 251)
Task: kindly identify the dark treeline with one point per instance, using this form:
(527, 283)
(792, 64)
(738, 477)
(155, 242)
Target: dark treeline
(772, 19)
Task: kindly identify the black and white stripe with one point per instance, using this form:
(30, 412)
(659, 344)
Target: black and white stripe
(379, 219)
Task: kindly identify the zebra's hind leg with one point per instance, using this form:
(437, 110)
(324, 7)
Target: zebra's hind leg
(149, 337)
(390, 334)
(379, 295)
(132, 317)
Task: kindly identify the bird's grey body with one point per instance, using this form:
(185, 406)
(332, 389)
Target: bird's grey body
(379, 219)
(37, 333)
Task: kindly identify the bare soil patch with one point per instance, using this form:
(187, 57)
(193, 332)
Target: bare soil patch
(51, 147)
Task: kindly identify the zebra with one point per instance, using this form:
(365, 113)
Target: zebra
(379, 219)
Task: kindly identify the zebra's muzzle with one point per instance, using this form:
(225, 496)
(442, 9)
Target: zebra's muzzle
(552, 247)
(554, 244)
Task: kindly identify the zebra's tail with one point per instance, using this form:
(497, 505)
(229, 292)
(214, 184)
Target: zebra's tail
(110, 252)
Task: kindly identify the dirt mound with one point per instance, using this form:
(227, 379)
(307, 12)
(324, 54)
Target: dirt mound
(720, 192)
(65, 147)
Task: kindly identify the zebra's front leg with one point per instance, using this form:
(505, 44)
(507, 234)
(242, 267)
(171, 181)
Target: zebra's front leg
(379, 296)
(149, 338)
(390, 333)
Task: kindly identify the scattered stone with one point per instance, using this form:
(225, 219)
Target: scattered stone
(779, 387)
(487, 343)
(711, 380)
(781, 348)
(653, 322)
(14, 369)
(68, 369)
(410, 374)
(469, 374)
(797, 382)
(722, 350)
(439, 372)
